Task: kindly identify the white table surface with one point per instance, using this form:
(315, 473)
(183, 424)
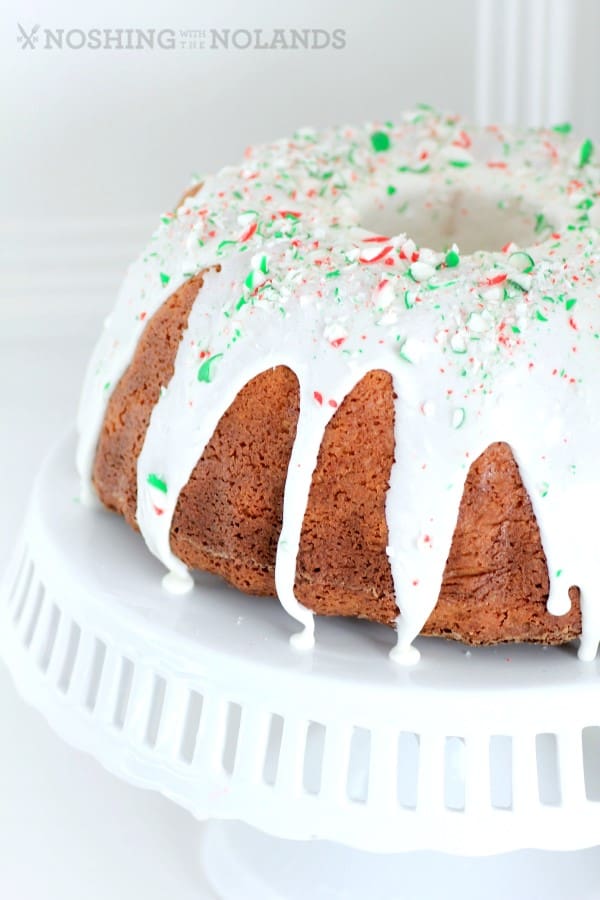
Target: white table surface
(68, 829)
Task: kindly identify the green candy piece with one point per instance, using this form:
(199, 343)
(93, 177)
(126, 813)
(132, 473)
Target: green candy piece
(156, 482)
(380, 141)
(205, 372)
(585, 153)
(415, 170)
(521, 261)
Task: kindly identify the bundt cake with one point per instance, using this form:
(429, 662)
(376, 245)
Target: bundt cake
(360, 372)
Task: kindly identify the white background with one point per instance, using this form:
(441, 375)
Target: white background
(103, 132)
(94, 145)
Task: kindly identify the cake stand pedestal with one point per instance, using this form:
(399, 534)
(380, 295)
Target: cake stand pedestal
(202, 698)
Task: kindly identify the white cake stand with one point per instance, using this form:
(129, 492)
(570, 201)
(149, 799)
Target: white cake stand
(202, 698)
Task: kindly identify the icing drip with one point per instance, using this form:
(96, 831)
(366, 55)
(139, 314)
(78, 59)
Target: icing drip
(176, 583)
(185, 418)
(590, 634)
(426, 485)
(481, 346)
(313, 419)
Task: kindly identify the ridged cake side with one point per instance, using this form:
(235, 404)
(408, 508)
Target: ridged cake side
(228, 517)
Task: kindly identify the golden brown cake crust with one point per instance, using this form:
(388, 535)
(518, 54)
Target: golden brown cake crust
(228, 517)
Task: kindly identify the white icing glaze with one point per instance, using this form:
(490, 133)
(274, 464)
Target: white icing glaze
(481, 348)
(178, 583)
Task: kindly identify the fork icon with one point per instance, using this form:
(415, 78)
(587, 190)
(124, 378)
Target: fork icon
(28, 39)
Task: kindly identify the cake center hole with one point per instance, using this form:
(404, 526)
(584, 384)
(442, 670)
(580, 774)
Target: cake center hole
(474, 220)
